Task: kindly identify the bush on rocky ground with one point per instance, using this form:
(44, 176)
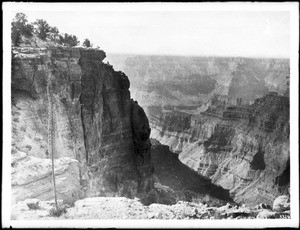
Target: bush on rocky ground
(33, 203)
(58, 211)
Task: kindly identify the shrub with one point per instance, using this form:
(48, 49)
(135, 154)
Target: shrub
(58, 211)
(87, 43)
(33, 206)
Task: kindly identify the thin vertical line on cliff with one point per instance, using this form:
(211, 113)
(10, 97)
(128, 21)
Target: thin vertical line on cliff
(50, 134)
(81, 102)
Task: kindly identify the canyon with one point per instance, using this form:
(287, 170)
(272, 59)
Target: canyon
(194, 135)
(100, 135)
(244, 150)
(193, 81)
(226, 118)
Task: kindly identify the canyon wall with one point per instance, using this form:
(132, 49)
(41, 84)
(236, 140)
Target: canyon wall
(193, 81)
(226, 117)
(244, 149)
(100, 135)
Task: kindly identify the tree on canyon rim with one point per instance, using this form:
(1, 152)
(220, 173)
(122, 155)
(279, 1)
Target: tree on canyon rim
(68, 40)
(42, 28)
(20, 27)
(87, 43)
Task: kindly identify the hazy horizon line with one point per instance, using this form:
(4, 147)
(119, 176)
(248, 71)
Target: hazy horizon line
(194, 55)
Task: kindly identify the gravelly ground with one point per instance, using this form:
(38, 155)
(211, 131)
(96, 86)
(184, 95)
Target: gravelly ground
(124, 208)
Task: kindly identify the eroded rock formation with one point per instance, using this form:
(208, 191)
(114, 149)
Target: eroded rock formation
(192, 81)
(96, 125)
(244, 149)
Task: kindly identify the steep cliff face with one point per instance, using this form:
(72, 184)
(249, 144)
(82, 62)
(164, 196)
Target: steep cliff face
(244, 149)
(98, 129)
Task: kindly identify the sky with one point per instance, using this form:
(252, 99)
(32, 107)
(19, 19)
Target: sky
(173, 31)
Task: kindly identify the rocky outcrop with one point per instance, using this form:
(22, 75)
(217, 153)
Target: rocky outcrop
(95, 124)
(281, 203)
(246, 153)
(31, 177)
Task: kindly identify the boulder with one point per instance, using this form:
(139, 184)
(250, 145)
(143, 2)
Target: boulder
(32, 179)
(263, 206)
(267, 214)
(281, 203)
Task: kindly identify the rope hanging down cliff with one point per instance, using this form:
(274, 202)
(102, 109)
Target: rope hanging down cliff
(50, 133)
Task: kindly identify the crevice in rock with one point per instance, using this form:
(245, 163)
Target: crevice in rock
(106, 109)
(31, 86)
(84, 131)
(72, 91)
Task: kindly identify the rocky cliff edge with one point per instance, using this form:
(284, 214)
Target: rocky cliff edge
(100, 135)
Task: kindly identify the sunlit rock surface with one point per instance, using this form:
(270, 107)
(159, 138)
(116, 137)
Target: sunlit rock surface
(121, 208)
(96, 124)
(31, 177)
(244, 149)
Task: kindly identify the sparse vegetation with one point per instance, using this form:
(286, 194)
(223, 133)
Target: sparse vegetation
(33, 206)
(57, 211)
(68, 40)
(87, 43)
(20, 27)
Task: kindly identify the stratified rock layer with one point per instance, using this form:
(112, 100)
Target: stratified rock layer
(95, 123)
(31, 177)
(192, 81)
(244, 149)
